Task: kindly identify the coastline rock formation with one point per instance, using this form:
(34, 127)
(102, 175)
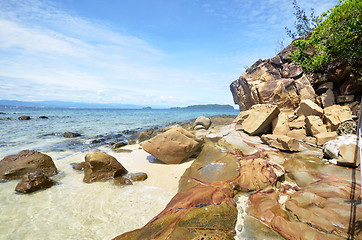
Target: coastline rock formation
(295, 195)
(281, 82)
(16, 166)
(173, 146)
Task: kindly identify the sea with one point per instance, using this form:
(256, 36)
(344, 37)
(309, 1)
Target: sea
(73, 209)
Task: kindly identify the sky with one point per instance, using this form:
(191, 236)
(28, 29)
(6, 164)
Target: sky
(144, 52)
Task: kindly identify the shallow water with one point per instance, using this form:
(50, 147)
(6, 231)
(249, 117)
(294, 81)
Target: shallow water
(76, 210)
(73, 209)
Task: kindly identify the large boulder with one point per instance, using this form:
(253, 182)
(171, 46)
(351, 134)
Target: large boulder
(315, 125)
(349, 155)
(33, 181)
(100, 166)
(16, 166)
(259, 118)
(172, 146)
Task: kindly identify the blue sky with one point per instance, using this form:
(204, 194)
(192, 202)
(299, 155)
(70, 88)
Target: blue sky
(144, 52)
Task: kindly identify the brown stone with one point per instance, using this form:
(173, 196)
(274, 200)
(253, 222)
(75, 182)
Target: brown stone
(172, 146)
(327, 99)
(281, 92)
(299, 134)
(16, 166)
(324, 137)
(101, 166)
(281, 142)
(280, 124)
(307, 108)
(140, 176)
(311, 140)
(335, 115)
(24, 118)
(304, 89)
(260, 117)
(202, 121)
(122, 181)
(315, 125)
(324, 87)
(349, 155)
(345, 98)
(291, 70)
(78, 166)
(33, 181)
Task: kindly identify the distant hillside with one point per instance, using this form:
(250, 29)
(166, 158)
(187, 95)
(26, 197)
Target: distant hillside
(61, 104)
(207, 106)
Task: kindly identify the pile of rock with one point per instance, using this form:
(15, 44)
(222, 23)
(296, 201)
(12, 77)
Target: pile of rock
(33, 167)
(308, 123)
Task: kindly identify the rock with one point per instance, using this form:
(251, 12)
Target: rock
(305, 89)
(78, 166)
(347, 127)
(335, 115)
(119, 144)
(140, 176)
(122, 181)
(281, 142)
(324, 137)
(243, 94)
(205, 122)
(349, 155)
(24, 118)
(315, 125)
(43, 117)
(291, 70)
(241, 117)
(281, 92)
(100, 166)
(172, 146)
(70, 135)
(33, 181)
(2, 113)
(260, 117)
(327, 99)
(311, 140)
(298, 123)
(280, 125)
(345, 98)
(307, 108)
(324, 87)
(146, 134)
(299, 134)
(330, 150)
(16, 166)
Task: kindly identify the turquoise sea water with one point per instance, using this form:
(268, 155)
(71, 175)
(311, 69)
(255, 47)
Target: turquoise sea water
(96, 126)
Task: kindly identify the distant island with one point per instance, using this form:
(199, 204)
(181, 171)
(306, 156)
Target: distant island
(207, 106)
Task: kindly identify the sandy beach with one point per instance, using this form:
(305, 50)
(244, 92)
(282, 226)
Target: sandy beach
(76, 210)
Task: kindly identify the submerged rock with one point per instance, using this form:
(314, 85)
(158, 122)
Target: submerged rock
(33, 181)
(100, 166)
(24, 118)
(71, 134)
(16, 166)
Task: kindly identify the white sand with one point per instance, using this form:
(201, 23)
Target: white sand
(76, 210)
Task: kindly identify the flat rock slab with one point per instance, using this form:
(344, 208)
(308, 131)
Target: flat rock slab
(260, 117)
(281, 142)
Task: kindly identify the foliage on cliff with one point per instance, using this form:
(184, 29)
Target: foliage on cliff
(337, 36)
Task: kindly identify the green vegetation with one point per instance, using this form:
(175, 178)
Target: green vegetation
(338, 35)
(303, 24)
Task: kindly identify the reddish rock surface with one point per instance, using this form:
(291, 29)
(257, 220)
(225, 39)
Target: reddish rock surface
(32, 182)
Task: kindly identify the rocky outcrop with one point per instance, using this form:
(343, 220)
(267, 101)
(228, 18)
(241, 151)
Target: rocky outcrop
(34, 181)
(16, 166)
(172, 146)
(24, 118)
(281, 82)
(100, 166)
